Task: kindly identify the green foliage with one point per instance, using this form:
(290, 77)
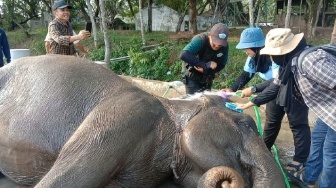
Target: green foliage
(152, 64)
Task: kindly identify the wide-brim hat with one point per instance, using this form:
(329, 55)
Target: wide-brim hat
(219, 34)
(252, 37)
(280, 41)
(61, 4)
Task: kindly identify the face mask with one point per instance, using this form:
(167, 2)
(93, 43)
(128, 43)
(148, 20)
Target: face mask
(279, 60)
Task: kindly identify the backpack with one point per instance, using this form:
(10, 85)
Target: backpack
(297, 62)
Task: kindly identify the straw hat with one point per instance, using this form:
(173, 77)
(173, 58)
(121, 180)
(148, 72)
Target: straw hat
(280, 41)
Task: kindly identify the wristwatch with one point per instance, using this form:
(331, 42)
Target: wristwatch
(253, 89)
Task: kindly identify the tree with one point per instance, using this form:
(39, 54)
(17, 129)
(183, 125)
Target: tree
(141, 24)
(289, 11)
(92, 19)
(149, 29)
(105, 31)
(251, 11)
(313, 13)
(333, 35)
(192, 16)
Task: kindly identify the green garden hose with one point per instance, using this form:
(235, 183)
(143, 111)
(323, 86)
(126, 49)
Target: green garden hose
(274, 148)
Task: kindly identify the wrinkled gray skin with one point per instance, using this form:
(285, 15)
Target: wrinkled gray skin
(67, 122)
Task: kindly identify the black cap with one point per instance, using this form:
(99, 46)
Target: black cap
(61, 4)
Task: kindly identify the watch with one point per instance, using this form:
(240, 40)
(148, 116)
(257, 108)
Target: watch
(253, 89)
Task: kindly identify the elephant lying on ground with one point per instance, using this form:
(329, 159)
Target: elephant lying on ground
(67, 122)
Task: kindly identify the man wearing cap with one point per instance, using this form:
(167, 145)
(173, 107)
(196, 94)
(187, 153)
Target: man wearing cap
(317, 87)
(204, 56)
(60, 30)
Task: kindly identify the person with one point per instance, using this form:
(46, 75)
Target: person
(316, 85)
(5, 50)
(60, 30)
(77, 44)
(252, 40)
(204, 56)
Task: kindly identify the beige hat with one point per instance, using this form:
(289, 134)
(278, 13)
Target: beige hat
(280, 41)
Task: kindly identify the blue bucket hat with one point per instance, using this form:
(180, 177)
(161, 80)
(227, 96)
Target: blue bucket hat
(252, 37)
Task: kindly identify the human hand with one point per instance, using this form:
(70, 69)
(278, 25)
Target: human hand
(246, 92)
(199, 69)
(213, 65)
(244, 106)
(83, 34)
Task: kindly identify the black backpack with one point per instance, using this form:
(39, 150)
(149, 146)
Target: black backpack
(297, 61)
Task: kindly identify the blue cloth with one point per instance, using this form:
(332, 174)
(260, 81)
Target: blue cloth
(249, 67)
(4, 46)
(322, 157)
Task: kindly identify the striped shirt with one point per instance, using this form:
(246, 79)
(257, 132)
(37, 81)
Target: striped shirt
(59, 34)
(318, 85)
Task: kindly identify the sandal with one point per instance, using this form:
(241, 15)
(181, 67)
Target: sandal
(291, 167)
(297, 179)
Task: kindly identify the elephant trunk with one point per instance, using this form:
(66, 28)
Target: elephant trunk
(265, 171)
(221, 176)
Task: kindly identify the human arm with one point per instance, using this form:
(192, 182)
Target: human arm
(190, 52)
(47, 47)
(320, 67)
(81, 48)
(269, 93)
(5, 46)
(57, 36)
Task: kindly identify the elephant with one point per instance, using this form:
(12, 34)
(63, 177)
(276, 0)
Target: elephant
(68, 122)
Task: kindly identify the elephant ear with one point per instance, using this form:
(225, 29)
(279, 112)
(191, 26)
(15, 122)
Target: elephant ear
(221, 176)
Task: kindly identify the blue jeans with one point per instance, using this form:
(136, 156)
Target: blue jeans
(322, 157)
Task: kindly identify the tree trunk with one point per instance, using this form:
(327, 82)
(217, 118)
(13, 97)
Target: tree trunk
(180, 21)
(259, 13)
(333, 35)
(149, 26)
(141, 24)
(94, 27)
(105, 31)
(288, 15)
(192, 16)
(251, 10)
(314, 10)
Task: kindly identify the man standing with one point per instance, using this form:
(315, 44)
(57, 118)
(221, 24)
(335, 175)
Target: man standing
(316, 84)
(60, 30)
(4, 48)
(204, 56)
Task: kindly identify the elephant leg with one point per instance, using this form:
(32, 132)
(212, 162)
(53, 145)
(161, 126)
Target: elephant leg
(95, 152)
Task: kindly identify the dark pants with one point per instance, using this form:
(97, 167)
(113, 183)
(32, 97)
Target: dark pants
(298, 123)
(192, 86)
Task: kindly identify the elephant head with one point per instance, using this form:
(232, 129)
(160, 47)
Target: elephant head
(221, 144)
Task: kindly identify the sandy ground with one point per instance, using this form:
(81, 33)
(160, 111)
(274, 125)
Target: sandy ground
(284, 142)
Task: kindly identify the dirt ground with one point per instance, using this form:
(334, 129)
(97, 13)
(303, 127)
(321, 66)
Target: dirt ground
(284, 141)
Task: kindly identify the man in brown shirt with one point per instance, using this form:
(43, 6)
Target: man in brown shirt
(60, 30)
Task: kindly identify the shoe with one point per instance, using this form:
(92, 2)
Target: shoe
(297, 178)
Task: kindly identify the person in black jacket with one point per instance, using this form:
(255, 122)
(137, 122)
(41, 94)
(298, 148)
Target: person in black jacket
(204, 56)
(314, 73)
(279, 99)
